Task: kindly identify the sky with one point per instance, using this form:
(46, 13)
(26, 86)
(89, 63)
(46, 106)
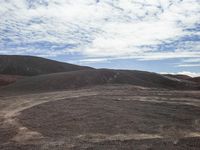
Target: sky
(154, 35)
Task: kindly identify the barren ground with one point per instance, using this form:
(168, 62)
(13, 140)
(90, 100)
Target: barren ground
(103, 117)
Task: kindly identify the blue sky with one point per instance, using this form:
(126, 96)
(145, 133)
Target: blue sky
(153, 35)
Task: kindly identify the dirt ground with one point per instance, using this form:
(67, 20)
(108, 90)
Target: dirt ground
(113, 117)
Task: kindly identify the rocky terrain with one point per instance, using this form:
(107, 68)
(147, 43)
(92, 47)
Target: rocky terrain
(97, 109)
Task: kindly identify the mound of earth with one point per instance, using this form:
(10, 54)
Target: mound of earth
(30, 65)
(78, 116)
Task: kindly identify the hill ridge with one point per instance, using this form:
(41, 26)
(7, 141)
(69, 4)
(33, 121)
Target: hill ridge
(33, 65)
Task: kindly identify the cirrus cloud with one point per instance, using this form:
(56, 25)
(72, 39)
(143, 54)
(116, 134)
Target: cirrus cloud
(103, 29)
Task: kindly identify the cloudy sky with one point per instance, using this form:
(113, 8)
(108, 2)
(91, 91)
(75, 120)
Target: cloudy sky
(152, 35)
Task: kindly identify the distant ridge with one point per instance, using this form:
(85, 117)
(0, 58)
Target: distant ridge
(184, 77)
(179, 76)
(31, 65)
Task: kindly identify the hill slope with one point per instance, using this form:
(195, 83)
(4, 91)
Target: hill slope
(84, 78)
(184, 77)
(8, 79)
(179, 76)
(30, 65)
(196, 79)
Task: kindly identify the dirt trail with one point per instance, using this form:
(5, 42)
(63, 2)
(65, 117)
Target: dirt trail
(11, 107)
(19, 103)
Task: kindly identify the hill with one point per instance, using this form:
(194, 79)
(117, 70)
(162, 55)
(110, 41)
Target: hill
(179, 76)
(196, 79)
(85, 78)
(184, 77)
(31, 65)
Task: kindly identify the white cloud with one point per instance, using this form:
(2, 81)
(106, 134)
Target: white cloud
(191, 74)
(107, 29)
(192, 60)
(90, 61)
(189, 65)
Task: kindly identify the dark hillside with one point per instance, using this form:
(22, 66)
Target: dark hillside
(30, 65)
(84, 78)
